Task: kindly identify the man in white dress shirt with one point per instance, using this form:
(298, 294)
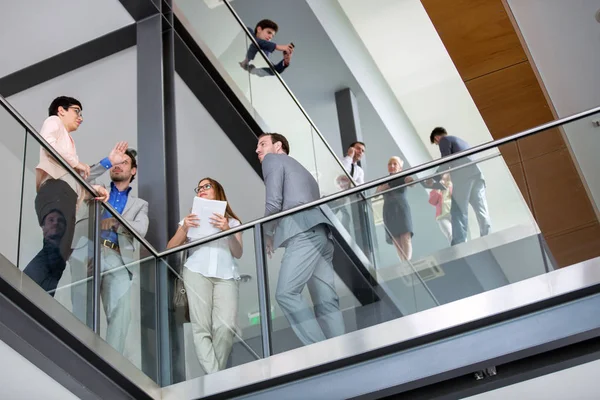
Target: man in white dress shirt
(350, 162)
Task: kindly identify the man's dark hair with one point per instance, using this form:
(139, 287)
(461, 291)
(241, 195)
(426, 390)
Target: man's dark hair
(64, 102)
(266, 23)
(132, 153)
(276, 137)
(438, 131)
(355, 143)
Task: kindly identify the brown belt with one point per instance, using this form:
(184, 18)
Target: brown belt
(110, 245)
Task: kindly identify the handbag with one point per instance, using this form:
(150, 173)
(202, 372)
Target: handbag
(180, 299)
(179, 294)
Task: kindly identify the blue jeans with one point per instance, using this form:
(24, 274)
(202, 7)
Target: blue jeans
(465, 192)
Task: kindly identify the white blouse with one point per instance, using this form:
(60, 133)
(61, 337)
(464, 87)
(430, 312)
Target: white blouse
(214, 259)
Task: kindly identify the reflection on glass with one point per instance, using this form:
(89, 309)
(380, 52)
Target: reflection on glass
(55, 232)
(207, 282)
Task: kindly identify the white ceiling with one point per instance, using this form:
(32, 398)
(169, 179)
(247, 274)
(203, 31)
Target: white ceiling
(22, 380)
(33, 30)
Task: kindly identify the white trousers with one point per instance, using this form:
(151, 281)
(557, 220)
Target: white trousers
(213, 304)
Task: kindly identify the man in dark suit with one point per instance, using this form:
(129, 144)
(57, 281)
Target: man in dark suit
(308, 245)
(468, 187)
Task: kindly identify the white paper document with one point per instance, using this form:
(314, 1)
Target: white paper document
(205, 209)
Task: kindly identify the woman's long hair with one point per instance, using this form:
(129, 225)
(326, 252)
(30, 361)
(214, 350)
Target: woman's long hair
(220, 195)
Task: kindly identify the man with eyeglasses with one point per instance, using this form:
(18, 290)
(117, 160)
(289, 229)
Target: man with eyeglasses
(118, 247)
(58, 192)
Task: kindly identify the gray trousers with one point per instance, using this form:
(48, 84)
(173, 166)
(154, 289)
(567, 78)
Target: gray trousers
(465, 192)
(308, 261)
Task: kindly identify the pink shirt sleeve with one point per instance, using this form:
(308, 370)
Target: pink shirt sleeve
(51, 131)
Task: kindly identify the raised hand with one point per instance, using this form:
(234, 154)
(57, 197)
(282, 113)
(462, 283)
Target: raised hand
(351, 152)
(117, 154)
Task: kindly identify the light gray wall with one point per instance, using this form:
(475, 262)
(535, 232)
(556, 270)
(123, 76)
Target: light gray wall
(33, 30)
(203, 150)
(12, 142)
(563, 38)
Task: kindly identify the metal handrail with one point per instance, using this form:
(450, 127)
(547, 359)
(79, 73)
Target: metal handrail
(419, 180)
(369, 185)
(285, 86)
(42, 142)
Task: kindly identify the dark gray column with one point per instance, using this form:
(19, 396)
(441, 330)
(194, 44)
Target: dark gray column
(348, 119)
(350, 132)
(156, 153)
(157, 180)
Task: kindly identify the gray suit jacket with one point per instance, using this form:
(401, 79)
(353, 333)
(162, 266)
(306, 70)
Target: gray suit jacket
(135, 212)
(288, 185)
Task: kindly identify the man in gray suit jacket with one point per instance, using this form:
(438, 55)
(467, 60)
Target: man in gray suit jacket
(468, 187)
(307, 241)
(118, 247)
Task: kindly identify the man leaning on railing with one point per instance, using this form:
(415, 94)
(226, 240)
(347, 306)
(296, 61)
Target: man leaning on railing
(58, 193)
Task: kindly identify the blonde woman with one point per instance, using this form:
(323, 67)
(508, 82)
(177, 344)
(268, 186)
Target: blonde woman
(396, 211)
(211, 279)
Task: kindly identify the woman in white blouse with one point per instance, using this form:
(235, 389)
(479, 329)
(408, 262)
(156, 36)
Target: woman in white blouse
(211, 280)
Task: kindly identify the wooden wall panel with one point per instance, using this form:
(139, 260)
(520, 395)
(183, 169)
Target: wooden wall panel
(559, 201)
(477, 45)
(510, 153)
(485, 47)
(510, 100)
(576, 246)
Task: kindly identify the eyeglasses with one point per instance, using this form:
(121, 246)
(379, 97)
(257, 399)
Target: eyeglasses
(203, 188)
(78, 111)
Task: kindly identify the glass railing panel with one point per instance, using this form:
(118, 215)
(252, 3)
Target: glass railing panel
(214, 319)
(57, 254)
(12, 153)
(499, 244)
(401, 239)
(255, 84)
(222, 39)
(56, 240)
(314, 290)
(127, 292)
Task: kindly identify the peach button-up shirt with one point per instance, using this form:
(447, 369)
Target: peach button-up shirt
(55, 133)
